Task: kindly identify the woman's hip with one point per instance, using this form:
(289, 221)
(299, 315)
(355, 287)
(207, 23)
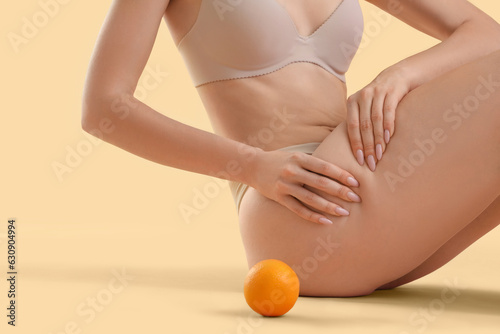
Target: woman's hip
(327, 259)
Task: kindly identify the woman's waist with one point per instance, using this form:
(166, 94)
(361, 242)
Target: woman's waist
(271, 138)
(275, 126)
(298, 104)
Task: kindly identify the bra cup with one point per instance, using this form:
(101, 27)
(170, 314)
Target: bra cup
(244, 39)
(337, 49)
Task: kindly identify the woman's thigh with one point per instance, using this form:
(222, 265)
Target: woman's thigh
(484, 223)
(439, 172)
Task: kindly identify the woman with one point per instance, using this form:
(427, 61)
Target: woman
(407, 182)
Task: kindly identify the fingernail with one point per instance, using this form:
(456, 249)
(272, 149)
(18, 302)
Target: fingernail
(341, 211)
(353, 197)
(379, 152)
(371, 163)
(387, 136)
(323, 220)
(352, 182)
(360, 156)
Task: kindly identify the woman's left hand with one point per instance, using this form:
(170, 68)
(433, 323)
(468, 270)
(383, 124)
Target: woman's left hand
(371, 114)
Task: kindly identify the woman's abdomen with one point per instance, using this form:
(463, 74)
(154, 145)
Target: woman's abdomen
(299, 103)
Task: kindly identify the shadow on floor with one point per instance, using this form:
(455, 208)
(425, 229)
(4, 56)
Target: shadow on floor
(224, 279)
(435, 297)
(227, 279)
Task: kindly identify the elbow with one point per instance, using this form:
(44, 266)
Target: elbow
(87, 116)
(90, 110)
(92, 115)
(101, 112)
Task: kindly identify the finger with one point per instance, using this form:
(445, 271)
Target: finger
(378, 123)
(366, 125)
(324, 168)
(353, 130)
(329, 186)
(317, 202)
(302, 211)
(390, 104)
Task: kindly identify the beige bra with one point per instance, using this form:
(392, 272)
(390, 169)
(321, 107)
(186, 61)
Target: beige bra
(234, 39)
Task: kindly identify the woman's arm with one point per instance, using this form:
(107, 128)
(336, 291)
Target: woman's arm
(466, 33)
(122, 50)
(120, 55)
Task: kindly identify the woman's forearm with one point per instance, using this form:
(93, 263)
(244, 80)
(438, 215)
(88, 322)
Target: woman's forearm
(466, 34)
(135, 127)
(468, 42)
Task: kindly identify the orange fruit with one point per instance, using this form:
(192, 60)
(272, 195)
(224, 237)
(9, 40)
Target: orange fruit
(271, 288)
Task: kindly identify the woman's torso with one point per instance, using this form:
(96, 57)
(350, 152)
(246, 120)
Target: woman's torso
(298, 103)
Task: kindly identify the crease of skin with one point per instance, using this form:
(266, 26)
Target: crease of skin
(317, 100)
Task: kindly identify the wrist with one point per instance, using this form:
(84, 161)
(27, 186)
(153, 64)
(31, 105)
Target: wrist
(409, 74)
(250, 158)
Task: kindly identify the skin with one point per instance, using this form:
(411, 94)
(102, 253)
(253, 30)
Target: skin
(389, 238)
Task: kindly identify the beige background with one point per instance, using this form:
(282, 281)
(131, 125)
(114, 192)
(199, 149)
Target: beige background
(115, 212)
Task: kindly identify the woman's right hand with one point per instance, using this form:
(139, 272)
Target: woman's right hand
(281, 176)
